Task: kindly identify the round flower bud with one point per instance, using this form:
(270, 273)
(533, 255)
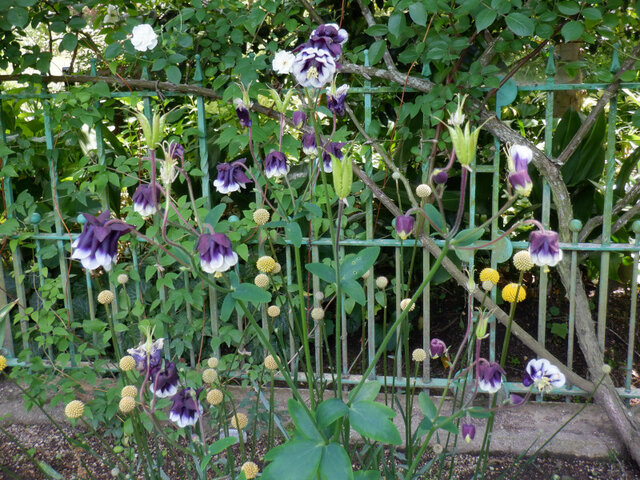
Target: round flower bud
(74, 409)
(239, 421)
(250, 470)
(437, 449)
(270, 363)
(319, 296)
(405, 303)
(214, 397)
(261, 280)
(509, 293)
(423, 190)
(522, 261)
(127, 404)
(127, 363)
(487, 285)
(3, 362)
(317, 313)
(105, 297)
(366, 275)
(489, 274)
(606, 369)
(419, 355)
(212, 362)
(273, 311)
(277, 269)
(129, 391)
(209, 376)
(123, 278)
(382, 282)
(396, 175)
(261, 216)
(266, 264)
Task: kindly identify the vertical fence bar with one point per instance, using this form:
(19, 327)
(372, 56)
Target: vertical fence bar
(35, 220)
(398, 289)
(575, 226)
(494, 229)
(634, 303)
(426, 266)
(317, 336)
(292, 342)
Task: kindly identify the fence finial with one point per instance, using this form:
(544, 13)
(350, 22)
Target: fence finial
(615, 60)
(197, 77)
(551, 64)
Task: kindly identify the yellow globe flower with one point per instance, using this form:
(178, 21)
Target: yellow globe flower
(419, 355)
(487, 285)
(74, 409)
(123, 278)
(214, 397)
(209, 376)
(382, 282)
(273, 311)
(129, 391)
(239, 421)
(317, 313)
(3, 363)
(509, 293)
(250, 470)
(212, 362)
(105, 297)
(270, 363)
(277, 269)
(261, 216)
(261, 280)
(266, 264)
(127, 363)
(490, 274)
(127, 404)
(522, 261)
(423, 190)
(405, 303)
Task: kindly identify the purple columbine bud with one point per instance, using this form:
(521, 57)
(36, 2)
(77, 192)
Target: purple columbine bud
(143, 203)
(404, 226)
(439, 176)
(299, 119)
(231, 177)
(243, 112)
(544, 248)
(544, 375)
(468, 432)
(309, 146)
(275, 164)
(335, 100)
(164, 383)
(521, 182)
(437, 348)
(489, 376)
(215, 251)
(516, 399)
(331, 148)
(185, 410)
(176, 151)
(97, 245)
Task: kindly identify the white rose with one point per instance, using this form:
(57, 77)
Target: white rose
(143, 37)
(283, 61)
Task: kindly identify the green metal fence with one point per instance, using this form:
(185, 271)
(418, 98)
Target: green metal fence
(604, 248)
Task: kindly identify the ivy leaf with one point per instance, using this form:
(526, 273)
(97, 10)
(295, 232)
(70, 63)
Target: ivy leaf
(418, 14)
(520, 24)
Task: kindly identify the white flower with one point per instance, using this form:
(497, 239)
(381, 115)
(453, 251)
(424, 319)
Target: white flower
(283, 61)
(112, 16)
(143, 37)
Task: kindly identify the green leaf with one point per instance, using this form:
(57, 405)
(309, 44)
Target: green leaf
(502, 249)
(173, 74)
(354, 266)
(467, 236)
(376, 30)
(520, 24)
(372, 420)
(227, 307)
(376, 51)
(304, 424)
(572, 31)
(427, 407)
(335, 463)
(249, 292)
(112, 51)
(368, 391)
(478, 412)
(329, 411)
(507, 93)
(298, 459)
(18, 17)
(322, 271)
(4, 314)
(354, 290)
(49, 471)
(68, 42)
(592, 14)
(395, 23)
(446, 424)
(366, 475)
(434, 215)
(418, 14)
(293, 233)
(485, 19)
(213, 217)
(568, 8)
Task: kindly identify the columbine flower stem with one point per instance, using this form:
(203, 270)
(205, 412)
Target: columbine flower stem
(271, 430)
(463, 188)
(114, 335)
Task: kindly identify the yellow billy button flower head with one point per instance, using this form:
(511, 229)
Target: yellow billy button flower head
(489, 274)
(214, 397)
(127, 404)
(261, 216)
(405, 303)
(270, 363)
(3, 363)
(509, 293)
(129, 391)
(239, 421)
(266, 264)
(105, 297)
(250, 470)
(487, 285)
(123, 278)
(317, 313)
(522, 261)
(127, 363)
(212, 362)
(423, 190)
(74, 409)
(419, 355)
(273, 311)
(382, 282)
(277, 269)
(209, 376)
(261, 280)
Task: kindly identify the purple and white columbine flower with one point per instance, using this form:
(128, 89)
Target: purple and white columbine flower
(521, 182)
(331, 148)
(489, 376)
(147, 350)
(329, 37)
(143, 203)
(164, 383)
(336, 98)
(313, 67)
(544, 248)
(283, 62)
(176, 151)
(185, 410)
(231, 177)
(299, 118)
(404, 226)
(97, 245)
(468, 432)
(519, 158)
(275, 164)
(243, 112)
(545, 376)
(216, 254)
(437, 348)
(515, 399)
(309, 146)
